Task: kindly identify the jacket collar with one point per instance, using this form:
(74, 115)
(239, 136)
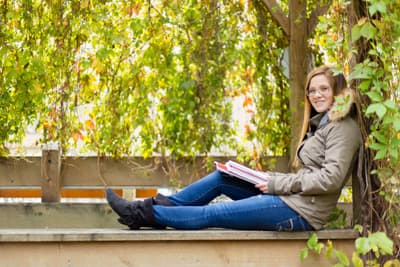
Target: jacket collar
(319, 120)
(342, 105)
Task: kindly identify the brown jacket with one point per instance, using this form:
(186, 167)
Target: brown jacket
(328, 155)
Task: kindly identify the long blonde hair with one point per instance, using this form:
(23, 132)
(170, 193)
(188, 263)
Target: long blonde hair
(337, 83)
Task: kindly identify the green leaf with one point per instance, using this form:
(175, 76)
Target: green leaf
(187, 85)
(319, 248)
(364, 85)
(359, 228)
(377, 146)
(380, 137)
(355, 33)
(312, 241)
(342, 258)
(303, 254)
(387, 120)
(394, 152)
(383, 242)
(378, 6)
(390, 104)
(396, 124)
(375, 96)
(380, 154)
(357, 261)
(377, 108)
(362, 245)
(329, 250)
(368, 30)
(392, 263)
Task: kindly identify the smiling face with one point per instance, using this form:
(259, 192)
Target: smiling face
(320, 93)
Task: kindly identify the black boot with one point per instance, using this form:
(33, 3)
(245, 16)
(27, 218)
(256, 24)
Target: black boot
(136, 214)
(162, 200)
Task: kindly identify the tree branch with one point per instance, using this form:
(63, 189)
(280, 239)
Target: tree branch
(278, 16)
(313, 20)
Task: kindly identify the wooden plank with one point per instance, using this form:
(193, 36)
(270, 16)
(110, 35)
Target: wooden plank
(57, 215)
(356, 198)
(131, 171)
(104, 235)
(146, 192)
(124, 172)
(249, 253)
(51, 180)
(15, 172)
(86, 193)
(63, 215)
(127, 172)
(66, 193)
(21, 193)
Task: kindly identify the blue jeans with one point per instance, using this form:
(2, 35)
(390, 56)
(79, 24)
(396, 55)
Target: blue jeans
(249, 210)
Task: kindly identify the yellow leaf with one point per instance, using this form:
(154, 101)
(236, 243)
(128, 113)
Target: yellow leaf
(361, 21)
(89, 124)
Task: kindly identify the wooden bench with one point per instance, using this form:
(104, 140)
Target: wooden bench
(115, 247)
(54, 233)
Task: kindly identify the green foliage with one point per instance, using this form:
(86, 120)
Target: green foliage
(140, 77)
(377, 79)
(330, 43)
(326, 249)
(337, 219)
(379, 75)
(272, 97)
(378, 243)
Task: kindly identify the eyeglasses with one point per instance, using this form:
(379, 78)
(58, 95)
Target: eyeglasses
(321, 91)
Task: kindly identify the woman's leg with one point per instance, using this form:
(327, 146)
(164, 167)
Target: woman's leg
(140, 213)
(261, 212)
(211, 186)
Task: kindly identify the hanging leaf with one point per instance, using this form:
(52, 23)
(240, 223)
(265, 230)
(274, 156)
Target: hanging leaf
(377, 108)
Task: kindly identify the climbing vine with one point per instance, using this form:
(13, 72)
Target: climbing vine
(362, 37)
(143, 77)
(377, 78)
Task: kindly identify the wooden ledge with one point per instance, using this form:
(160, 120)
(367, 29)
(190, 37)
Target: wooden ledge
(101, 235)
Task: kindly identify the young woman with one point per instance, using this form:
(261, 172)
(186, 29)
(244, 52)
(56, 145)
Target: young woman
(288, 201)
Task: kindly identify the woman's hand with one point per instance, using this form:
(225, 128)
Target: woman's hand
(263, 187)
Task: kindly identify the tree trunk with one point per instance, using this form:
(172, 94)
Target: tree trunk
(299, 62)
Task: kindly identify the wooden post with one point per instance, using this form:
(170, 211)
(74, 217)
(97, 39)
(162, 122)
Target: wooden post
(356, 198)
(50, 171)
(298, 68)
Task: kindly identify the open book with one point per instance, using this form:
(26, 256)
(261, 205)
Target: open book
(242, 172)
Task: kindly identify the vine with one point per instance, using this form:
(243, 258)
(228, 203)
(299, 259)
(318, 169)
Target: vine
(377, 77)
(371, 58)
(141, 77)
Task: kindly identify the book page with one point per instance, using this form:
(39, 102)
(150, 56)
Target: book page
(242, 172)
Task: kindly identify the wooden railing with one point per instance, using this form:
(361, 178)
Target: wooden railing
(52, 176)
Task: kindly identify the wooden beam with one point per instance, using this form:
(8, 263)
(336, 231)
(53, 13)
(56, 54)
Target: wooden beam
(313, 20)
(67, 193)
(83, 172)
(51, 180)
(16, 172)
(298, 68)
(23, 193)
(105, 247)
(278, 16)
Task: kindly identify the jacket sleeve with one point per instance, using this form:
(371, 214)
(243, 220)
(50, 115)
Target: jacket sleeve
(342, 143)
